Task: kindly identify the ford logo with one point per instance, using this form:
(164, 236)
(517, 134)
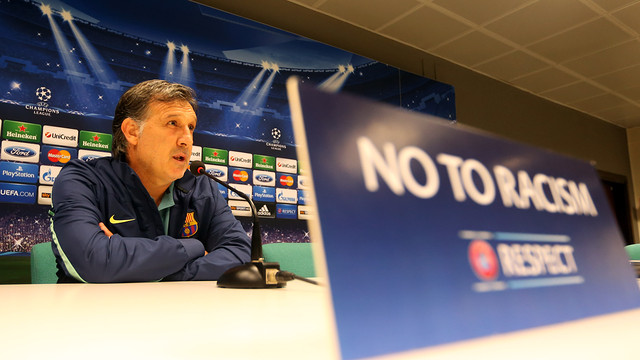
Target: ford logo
(216, 172)
(19, 151)
(264, 178)
(89, 157)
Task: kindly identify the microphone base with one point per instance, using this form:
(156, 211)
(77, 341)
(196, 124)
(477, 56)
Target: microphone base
(253, 275)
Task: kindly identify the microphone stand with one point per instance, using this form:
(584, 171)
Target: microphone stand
(256, 274)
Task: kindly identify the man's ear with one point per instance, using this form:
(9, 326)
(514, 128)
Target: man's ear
(131, 130)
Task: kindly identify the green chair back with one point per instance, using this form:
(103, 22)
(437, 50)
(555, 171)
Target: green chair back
(633, 251)
(293, 257)
(43, 264)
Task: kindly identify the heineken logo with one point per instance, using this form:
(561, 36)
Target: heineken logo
(23, 131)
(215, 156)
(264, 162)
(95, 140)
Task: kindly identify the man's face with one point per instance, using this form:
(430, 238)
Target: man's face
(162, 149)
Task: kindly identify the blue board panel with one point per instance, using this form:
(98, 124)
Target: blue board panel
(435, 233)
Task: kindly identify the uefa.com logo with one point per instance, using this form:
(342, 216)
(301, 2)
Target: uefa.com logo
(511, 261)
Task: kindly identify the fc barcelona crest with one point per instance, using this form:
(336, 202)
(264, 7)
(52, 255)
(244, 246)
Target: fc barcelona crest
(190, 226)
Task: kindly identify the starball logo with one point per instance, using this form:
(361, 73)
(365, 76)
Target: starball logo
(43, 95)
(276, 143)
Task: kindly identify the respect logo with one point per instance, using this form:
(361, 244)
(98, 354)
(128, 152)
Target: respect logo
(508, 260)
(483, 260)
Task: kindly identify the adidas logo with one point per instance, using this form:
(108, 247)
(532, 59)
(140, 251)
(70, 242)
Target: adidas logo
(264, 211)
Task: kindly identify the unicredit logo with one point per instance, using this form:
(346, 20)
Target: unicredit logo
(51, 135)
(245, 160)
(19, 151)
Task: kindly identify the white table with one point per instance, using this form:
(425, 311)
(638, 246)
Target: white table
(198, 320)
(169, 320)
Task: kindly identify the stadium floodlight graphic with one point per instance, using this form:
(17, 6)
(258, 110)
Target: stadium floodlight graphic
(66, 52)
(169, 68)
(96, 63)
(335, 82)
(252, 99)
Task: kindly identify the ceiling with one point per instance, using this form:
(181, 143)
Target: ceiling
(584, 54)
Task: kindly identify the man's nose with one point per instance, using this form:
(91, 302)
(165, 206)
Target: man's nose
(186, 137)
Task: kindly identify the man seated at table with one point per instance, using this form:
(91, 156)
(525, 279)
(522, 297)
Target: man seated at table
(138, 216)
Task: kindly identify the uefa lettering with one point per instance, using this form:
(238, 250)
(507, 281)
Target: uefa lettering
(17, 193)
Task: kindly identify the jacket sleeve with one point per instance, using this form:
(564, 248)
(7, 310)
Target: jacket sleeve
(227, 242)
(88, 255)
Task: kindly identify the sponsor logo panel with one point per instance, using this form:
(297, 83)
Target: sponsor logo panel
(239, 175)
(240, 208)
(266, 210)
(264, 193)
(289, 181)
(264, 178)
(240, 159)
(22, 131)
(263, 162)
(305, 212)
(48, 174)
(302, 197)
(285, 211)
(245, 188)
(18, 193)
(59, 136)
(44, 194)
(286, 196)
(223, 191)
(86, 155)
(196, 153)
(19, 151)
(95, 140)
(215, 156)
(287, 165)
(218, 171)
(18, 172)
(57, 155)
(304, 182)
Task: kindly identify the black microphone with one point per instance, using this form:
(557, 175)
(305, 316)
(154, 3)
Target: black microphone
(257, 273)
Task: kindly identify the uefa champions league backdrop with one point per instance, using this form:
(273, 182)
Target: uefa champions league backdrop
(64, 65)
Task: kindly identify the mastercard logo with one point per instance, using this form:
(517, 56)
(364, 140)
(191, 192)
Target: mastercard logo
(239, 175)
(61, 156)
(286, 180)
(483, 260)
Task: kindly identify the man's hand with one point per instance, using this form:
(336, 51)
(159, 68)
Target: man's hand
(105, 230)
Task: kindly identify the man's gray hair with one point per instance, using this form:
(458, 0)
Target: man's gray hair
(134, 104)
